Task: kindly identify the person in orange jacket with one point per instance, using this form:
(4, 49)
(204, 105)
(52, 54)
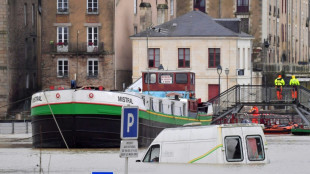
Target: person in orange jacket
(255, 113)
(279, 82)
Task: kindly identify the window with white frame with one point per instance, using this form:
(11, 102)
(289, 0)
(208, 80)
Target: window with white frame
(62, 6)
(62, 67)
(92, 6)
(92, 67)
(62, 36)
(92, 36)
(135, 6)
(171, 7)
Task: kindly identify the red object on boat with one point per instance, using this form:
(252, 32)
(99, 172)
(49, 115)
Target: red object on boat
(52, 87)
(279, 129)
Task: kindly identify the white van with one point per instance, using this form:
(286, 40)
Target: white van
(217, 144)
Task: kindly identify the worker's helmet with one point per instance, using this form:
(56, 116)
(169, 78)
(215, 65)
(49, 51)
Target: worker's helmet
(293, 77)
(279, 76)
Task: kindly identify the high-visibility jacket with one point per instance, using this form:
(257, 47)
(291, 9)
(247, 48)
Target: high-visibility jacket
(294, 82)
(279, 82)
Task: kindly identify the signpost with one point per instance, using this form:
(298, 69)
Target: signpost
(129, 133)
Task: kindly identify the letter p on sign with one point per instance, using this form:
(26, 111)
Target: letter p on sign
(130, 122)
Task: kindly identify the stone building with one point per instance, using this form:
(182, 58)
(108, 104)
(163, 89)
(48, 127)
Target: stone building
(77, 43)
(18, 54)
(280, 28)
(198, 43)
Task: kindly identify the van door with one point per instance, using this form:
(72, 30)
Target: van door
(233, 145)
(254, 145)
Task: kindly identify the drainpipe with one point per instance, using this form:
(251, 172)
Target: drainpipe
(300, 26)
(114, 44)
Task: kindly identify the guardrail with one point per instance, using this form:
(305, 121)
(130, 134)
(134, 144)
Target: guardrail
(15, 127)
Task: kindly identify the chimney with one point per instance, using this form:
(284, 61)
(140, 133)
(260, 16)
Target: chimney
(162, 13)
(145, 15)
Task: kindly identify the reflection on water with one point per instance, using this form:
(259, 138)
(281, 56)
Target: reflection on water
(288, 154)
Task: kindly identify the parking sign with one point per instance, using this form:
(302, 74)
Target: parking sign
(130, 122)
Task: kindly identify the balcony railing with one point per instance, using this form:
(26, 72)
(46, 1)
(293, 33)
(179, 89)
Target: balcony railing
(62, 10)
(84, 47)
(92, 11)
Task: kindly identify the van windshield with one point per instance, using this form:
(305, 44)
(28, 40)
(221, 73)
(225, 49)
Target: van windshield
(152, 154)
(233, 149)
(255, 148)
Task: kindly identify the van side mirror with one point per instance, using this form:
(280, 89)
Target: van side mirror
(138, 161)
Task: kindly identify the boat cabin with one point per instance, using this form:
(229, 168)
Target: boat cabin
(215, 144)
(162, 83)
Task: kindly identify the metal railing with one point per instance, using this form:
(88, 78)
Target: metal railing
(84, 47)
(257, 95)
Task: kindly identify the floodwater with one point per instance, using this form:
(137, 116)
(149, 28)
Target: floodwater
(287, 154)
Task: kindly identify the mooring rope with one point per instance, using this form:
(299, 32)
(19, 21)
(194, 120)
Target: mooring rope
(63, 138)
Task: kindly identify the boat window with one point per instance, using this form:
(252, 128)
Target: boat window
(255, 148)
(152, 154)
(233, 149)
(152, 78)
(166, 78)
(181, 78)
(172, 108)
(151, 104)
(192, 79)
(160, 106)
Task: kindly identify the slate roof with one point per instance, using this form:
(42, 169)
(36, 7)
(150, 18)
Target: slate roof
(194, 24)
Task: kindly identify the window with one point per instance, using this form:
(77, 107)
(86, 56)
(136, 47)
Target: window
(62, 39)
(181, 78)
(62, 33)
(214, 57)
(33, 14)
(92, 39)
(242, 6)
(62, 6)
(63, 68)
(92, 67)
(25, 14)
(92, 6)
(192, 79)
(255, 148)
(166, 78)
(160, 106)
(152, 79)
(135, 6)
(153, 54)
(184, 58)
(171, 7)
(200, 5)
(27, 81)
(135, 29)
(244, 24)
(233, 149)
(152, 154)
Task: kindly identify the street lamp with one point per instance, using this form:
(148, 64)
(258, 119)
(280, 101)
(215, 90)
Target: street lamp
(227, 72)
(219, 72)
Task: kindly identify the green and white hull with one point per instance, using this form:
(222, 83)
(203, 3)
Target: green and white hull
(91, 118)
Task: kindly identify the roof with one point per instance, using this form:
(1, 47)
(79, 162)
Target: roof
(193, 24)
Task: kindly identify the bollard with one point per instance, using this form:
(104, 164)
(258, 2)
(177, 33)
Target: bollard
(12, 127)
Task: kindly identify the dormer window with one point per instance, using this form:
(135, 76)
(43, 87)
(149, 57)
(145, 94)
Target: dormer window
(200, 5)
(242, 6)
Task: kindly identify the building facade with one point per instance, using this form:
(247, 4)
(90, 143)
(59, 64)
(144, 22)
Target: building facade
(280, 29)
(77, 43)
(200, 50)
(18, 55)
